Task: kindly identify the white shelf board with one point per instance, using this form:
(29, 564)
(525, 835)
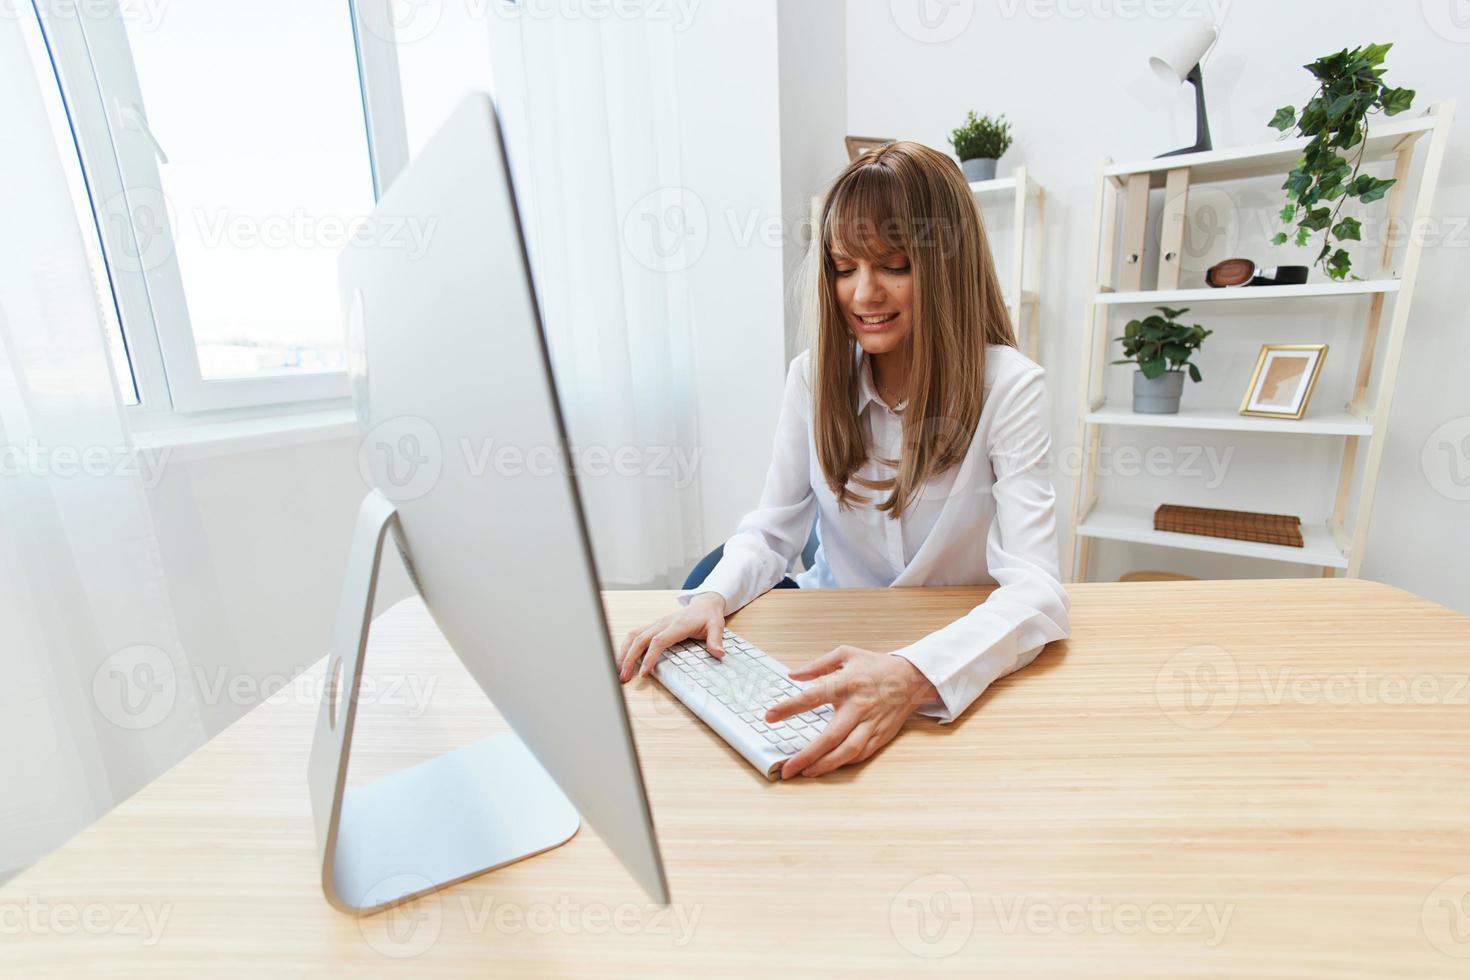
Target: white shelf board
(1266, 159)
(1136, 524)
(993, 186)
(1252, 293)
(1229, 419)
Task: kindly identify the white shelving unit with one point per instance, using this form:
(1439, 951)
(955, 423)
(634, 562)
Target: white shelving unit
(1334, 542)
(1023, 287)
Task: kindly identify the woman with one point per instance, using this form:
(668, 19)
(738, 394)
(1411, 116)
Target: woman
(916, 434)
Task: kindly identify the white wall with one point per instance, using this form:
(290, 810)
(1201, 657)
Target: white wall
(254, 546)
(1073, 78)
(813, 58)
(729, 124)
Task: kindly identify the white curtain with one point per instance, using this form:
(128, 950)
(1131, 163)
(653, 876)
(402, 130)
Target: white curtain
(590, 111)
(95, 700)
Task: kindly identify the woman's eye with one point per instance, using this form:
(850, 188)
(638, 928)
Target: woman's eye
(903, 268)
(845, 272)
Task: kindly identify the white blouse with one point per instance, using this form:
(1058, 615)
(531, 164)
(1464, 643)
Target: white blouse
(1000, 495)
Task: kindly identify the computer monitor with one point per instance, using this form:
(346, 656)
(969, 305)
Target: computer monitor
(448, 363)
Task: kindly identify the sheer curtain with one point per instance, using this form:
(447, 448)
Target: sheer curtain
(96, 698)
(590, 111)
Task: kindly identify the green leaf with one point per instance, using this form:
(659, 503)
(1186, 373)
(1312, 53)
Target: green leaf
(1340, 105)
(1172, 314)
(1317, 219)
(1279, 238)
(1297, 182)
(1302, 236)
(1396, 100)
(1373, 54)
(1288, 212)
(1348, 229)
(1194, 373)
(1339, 265)
(1152, 368)
(1368, 188)
(1284, 119)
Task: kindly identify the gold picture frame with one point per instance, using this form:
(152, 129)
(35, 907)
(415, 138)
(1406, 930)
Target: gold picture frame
(1282, 383)
(858, 145)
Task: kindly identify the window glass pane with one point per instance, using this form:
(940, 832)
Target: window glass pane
(258, 109)
(66, 152)
(443, 54)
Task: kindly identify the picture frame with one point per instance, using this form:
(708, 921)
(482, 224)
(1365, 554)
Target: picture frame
(1282, 383)
(858, 145)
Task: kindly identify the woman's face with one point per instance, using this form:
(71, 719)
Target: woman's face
(876, 299)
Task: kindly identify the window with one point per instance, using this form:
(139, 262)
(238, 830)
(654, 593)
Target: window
(229, 151)
(66, 152)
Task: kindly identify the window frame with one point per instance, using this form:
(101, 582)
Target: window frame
(90, 54)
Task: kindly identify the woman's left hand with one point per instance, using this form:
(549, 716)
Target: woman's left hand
(872, 695)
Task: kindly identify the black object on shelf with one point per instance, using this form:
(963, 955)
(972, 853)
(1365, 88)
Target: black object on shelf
(1244, 272)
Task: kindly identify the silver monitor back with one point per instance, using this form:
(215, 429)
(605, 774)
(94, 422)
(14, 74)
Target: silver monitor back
(449, 363)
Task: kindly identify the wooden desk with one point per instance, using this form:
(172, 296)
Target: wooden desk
(1265, 778)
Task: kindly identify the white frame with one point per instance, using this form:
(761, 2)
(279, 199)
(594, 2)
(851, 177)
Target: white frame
(90, 50)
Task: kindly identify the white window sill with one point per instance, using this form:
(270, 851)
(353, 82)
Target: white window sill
(207, 439)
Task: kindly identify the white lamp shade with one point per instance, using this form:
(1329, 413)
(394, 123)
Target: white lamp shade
(1183, 51)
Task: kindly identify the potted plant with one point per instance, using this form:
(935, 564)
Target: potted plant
(1350, 86)
(979, 143)
(1161, 348)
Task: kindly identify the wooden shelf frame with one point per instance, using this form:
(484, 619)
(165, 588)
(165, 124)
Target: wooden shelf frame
(1028, 234)
(1338, 542)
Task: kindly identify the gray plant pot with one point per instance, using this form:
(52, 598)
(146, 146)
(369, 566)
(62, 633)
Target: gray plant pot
(1159, 396)
(979, 168)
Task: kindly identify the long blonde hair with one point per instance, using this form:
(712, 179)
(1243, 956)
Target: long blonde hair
(906, 197)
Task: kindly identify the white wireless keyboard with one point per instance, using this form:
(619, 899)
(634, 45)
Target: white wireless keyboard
(731, 696)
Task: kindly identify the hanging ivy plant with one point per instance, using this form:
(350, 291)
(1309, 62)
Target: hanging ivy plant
(1350, 87)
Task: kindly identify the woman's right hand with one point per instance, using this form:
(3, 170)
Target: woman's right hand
(703, 618)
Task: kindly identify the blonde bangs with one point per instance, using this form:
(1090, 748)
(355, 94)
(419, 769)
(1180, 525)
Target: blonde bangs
(865, 218)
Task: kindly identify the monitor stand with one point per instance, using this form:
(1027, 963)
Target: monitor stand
(423, 828)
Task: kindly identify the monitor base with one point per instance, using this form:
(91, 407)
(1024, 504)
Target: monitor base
(426, 827)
